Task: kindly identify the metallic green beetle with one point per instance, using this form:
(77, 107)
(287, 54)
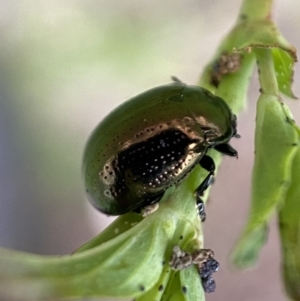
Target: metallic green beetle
(152, 142)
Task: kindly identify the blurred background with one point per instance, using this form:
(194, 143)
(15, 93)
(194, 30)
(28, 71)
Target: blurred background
(63, 66)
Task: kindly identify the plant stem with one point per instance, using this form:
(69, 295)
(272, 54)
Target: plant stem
(267, 76)
(253, 10)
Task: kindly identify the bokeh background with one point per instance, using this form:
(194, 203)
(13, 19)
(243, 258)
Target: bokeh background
(63, 66)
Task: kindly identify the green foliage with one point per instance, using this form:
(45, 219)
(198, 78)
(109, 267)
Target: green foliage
(289, 225)
(283, 64)
(275, 141)
(129, 259)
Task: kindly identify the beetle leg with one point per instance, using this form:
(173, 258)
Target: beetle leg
(226, 149)
(149, 209)
(207, 163)
(199, 192)
(204, 185)
(200, 208)
(150, 206)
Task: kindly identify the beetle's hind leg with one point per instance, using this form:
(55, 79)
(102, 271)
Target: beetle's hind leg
(151, 206)
(208, 164)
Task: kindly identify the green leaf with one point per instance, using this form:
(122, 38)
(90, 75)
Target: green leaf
(159, 289)
(121, 263)
(244, 38)
(289, 223)
(191, 283)
(129, 260)
(183, 285)
(174, 289)
(164, 288)
(120, 225)
(275, 140)
(233, 87)
(284, 65)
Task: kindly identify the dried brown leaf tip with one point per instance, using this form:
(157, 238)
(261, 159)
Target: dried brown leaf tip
(204, 261)
(227, 63)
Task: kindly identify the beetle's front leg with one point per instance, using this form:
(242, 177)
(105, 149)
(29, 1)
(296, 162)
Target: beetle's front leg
(226, 149)
(208, 164)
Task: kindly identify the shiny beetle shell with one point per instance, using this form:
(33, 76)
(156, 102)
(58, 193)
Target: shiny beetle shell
(150, 143)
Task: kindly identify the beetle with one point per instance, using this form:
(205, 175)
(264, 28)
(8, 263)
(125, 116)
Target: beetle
(153, 141)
